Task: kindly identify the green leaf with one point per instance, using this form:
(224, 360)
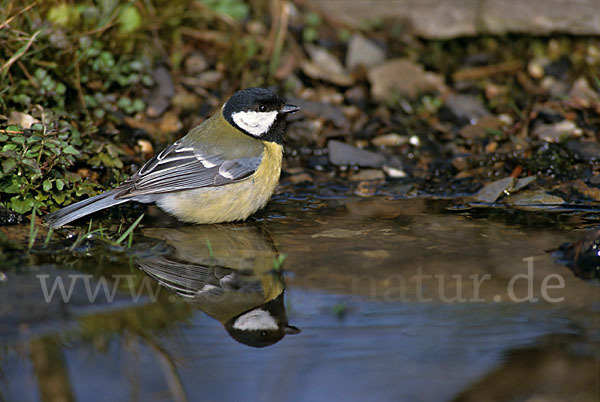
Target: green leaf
(60, 184)
(8, 147)
(59, 198)
(47, 185)
(31, 153)
(63, 15)
(31, 164)
(18, 139)
(138, 105)
(70, 149)
(14, 186)
(21, 206)
(236, 9)
(130, 19)
(8, 165)
(33, 138)
(60, 88)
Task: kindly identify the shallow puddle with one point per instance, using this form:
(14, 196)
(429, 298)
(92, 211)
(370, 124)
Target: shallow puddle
(321, 296)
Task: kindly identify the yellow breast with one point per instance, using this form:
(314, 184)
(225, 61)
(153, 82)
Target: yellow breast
(231, 202)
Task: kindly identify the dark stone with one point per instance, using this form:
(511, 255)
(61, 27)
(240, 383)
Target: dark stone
(559, 69)
(586, 151)
(8, 217)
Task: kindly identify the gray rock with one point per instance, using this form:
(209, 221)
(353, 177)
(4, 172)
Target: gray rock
(342, 154)
(403, 77)
(556, 132)
(466, 107)
(443, 20)
(164, 90)
(362, 51)
(325, 66)
(492, 191)
(322, 110)
(583, 94)
(195, 63)
(586, 151)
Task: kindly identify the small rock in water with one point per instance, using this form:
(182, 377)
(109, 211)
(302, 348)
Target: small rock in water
(394, 172)
(301, 178)
(366, 188)
(492, 191)
(390, 140)
(533, 198)
(367, 175)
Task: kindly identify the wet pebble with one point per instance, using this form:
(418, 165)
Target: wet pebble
(531, 198)
(390, 140)
(367, 175)
(394, 172)
(300, 178)
(366, 188)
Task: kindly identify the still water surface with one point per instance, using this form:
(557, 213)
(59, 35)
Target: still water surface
(375, 299)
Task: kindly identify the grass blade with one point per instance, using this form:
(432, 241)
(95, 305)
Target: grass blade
(130, 230)
(33, 231)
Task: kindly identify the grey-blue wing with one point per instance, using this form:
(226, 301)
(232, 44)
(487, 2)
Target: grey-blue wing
(184, 168)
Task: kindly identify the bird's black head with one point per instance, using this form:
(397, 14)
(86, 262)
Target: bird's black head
(261, 326)
(259, 113)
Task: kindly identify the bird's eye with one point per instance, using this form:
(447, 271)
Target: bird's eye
(262, 108)
(263, 333)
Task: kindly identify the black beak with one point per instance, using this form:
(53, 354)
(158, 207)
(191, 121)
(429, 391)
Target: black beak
(289, 109)
(291, 330)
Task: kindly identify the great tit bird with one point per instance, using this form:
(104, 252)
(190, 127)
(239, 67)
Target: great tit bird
(232, 281)
(223, 170)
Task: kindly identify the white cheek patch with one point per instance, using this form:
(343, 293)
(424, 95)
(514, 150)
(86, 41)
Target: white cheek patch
(255, 123)
(255, 320)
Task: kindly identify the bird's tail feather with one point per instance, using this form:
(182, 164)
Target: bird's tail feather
(82, 208)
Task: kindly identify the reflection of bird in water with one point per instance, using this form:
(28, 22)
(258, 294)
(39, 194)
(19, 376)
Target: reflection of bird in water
(582, 257)
(227, 272)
